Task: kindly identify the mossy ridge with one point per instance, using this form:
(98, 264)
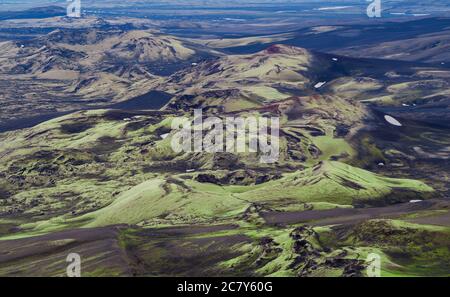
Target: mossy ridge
(408, 249)
(401, 250)
(177, 201)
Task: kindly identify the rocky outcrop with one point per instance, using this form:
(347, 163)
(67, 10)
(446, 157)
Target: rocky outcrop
(239, 177)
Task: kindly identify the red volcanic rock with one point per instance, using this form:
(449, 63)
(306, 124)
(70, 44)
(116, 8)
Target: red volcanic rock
(285, 50)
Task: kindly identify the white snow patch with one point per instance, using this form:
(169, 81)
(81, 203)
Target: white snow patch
(415, 201)
(320, 84)
(164, 136)
(392, 121)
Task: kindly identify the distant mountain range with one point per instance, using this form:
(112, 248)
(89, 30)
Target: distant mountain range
(34, 13)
